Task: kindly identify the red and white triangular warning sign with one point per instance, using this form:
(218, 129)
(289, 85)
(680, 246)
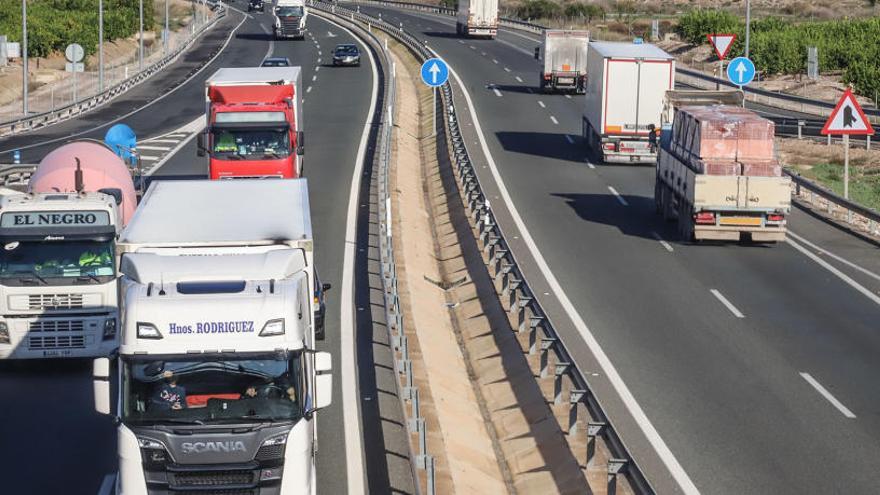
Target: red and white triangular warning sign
(848, 118)
(721, 43)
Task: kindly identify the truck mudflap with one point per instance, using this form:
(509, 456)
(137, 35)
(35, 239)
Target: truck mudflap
(736, 232)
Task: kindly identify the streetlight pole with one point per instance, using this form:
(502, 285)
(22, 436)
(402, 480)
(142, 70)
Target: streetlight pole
(24, 57)
(166, 28)
(100, 46)
(748, 24)
(141, 36)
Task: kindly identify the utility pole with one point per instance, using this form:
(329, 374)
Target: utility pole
(24, 57)
(100, 46)
(141, 36)
(748, 24)
(165, 38)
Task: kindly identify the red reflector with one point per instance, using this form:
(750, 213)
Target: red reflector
(704, 217)
(547, 76)
(775, 218)
(608, 146)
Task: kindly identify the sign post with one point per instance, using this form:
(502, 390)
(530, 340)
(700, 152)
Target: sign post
(847, 119)
(722, 44)
(434, 73)
(74, 54)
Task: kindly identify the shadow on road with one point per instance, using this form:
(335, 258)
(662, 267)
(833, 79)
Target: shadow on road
(543, 144)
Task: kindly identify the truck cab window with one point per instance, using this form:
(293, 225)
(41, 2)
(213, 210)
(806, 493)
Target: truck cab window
(56, 263)
(251, 143)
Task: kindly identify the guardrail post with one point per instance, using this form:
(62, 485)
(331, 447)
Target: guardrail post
(416, 410)
(575, 397)
(430, 475)
(594, 429)
(801, 124)
(868, 143)
(534, 323)
(829, 140)
(546, 344)
(615, 467)
(560, 370)
(421, 458)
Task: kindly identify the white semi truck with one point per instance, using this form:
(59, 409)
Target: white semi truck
(564, 53)
(626, 90)
(290, 19)
(58, 295)
(478, 18)
(219, 379)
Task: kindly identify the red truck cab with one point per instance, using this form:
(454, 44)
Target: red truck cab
(254, 123)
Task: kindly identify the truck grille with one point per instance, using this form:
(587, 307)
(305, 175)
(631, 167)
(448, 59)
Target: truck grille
(56, 326)
(270, 453)
(289, 24)
(210, 479)
(55, 301)
(57, 342)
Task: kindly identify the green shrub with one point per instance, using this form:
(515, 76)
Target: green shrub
(539, 9)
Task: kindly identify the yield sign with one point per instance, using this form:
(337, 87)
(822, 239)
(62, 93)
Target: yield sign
(721, 43)
(848, 118)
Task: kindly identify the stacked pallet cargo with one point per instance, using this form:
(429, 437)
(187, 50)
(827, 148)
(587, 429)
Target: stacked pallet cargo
(718, 176)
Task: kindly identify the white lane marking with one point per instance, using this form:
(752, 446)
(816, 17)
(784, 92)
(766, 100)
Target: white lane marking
(314, 77)
(569, 139)
(483, 53)
(834, 256)
(666, 456)
(153, 148)
(317, 68)
(460, 41)
(518, 79)
(541, 103)
(320, 53)
(618, 196)
(271, 49)
(107, 484)
(825, 393)
(309, 89)
(568, 96)
(330, 34)
(506, 69)
(151, 103)
(319, 60)
(842, 276)
(348, 372)
(497, 93)
(147, 158)
(494, 61)
(663, 243)
(589, 164)
(555, 122)
(192, 128)
(473, 47)
(718, 295)
(167, 141)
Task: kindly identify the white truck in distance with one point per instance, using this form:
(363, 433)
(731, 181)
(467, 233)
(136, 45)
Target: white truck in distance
(564, 54)
(219, 380)
(477, 18)
(290, 19)
(626, 88)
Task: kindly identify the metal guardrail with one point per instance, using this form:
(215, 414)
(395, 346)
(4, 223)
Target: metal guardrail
(31, 122)
(16, 174)
(857, 217)
(522, 305)
(408, 392)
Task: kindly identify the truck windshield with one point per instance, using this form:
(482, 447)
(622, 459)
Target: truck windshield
(253, 144)
(213, 389)
(289, 11)
(57, 263)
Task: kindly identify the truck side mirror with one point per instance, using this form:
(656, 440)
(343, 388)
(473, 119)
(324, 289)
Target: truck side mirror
(300, 143)
(101, 381)
(323, 380)
(537, 53)
(113, 191)
(326, 287)
(200, 144)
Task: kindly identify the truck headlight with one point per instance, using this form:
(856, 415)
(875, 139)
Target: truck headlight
(4, 334)
(154, 454)
(148, 331)
(109, 329)
(276, 440)
(273, 327)
(149, 443)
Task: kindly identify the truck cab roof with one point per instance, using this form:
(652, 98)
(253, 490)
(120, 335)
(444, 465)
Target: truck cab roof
(236, 76)
(610, 49)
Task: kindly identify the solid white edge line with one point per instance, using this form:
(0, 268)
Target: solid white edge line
(835, 257)
(149, 104)
(662, 242)
(667, 457)
(618, 196)
(348, 370)
(842, 276)
(825, 393)
(729, 305)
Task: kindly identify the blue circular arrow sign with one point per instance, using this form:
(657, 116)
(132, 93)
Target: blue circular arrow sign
(741, 71)
(435, 72)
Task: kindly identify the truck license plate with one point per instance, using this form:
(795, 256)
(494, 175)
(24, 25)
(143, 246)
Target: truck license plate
(59, 353)
(565, 80)
(750, 221)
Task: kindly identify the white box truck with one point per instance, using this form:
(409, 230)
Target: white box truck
(564, 54)
(626, 89)
(478, 18)
(219, 379)
(290, 19)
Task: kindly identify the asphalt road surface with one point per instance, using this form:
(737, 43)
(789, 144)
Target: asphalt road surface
(756, 364)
